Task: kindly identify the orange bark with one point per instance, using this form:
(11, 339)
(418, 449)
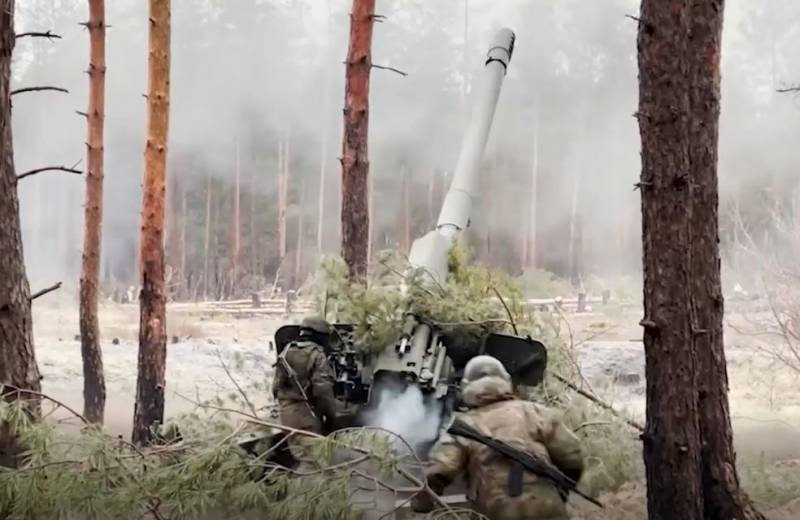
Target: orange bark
(149, 408)
(355, 164)
(94, 386)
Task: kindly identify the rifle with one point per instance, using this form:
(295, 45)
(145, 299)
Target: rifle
(293, 376)
(532, 463)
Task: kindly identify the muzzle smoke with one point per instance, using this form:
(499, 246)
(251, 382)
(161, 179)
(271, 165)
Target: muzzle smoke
(407, 413)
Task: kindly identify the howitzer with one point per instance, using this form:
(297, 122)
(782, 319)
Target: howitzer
(425, 354)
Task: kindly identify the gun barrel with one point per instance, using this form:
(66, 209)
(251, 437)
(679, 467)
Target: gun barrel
(457, 207)
(430, 251)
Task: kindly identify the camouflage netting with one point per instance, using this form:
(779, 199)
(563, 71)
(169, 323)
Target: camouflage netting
(467, 305)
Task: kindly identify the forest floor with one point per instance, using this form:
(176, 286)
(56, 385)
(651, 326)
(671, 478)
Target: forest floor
(765, 396)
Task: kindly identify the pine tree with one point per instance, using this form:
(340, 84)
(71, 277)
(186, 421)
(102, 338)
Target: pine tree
(149, 408)
(688, 451)
(355, 163)
(94, 385)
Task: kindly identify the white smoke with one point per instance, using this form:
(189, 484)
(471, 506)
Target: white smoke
(405, 412)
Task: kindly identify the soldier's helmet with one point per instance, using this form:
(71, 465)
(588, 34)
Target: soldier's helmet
(315, 325)
(484, 366)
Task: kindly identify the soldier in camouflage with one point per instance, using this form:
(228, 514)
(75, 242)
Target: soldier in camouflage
(303, 386)
(496, 412)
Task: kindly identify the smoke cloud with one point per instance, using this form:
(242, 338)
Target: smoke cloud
(406, 412)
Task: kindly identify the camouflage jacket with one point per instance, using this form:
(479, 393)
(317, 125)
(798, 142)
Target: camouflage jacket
(494, 411)
(313, 373)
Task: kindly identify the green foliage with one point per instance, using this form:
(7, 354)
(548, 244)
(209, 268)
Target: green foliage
(612, 449)
(468, 300)
(205, 475)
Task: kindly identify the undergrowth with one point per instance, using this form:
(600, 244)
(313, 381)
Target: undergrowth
(203, 474)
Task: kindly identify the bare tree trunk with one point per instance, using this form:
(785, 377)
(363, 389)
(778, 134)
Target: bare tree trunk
(254, 261)
(17, 360)
(94, 384)
(283, 158)
(355, 163)
(207, 237)
(149, 408)
(324, 151)
(688, 453)
(406, 216)
(722, 493)
(576, 227)
(236, 231)
(298, 258)
(529, 259)
(183, 280)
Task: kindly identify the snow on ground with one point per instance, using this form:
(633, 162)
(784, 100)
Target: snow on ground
(765, 399)
(194, 362)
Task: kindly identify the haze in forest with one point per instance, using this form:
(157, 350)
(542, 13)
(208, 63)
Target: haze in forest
(259, 72)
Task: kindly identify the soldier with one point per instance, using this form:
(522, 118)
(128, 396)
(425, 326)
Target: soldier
(497, 487)
(303, 385)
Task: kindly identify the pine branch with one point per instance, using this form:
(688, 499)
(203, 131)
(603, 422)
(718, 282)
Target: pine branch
(599, 402)
(34, 34)
(38, 89)
(384, 67)
(233, 380)
(40, 395)
(67, 169)
(45, 291)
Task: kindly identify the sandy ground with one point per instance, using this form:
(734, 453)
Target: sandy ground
(765, 398)
(194, 362)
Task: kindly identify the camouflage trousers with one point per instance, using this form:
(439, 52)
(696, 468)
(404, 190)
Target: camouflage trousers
(297, 415)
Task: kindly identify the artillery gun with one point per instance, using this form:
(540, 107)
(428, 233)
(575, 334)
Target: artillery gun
(427, 355)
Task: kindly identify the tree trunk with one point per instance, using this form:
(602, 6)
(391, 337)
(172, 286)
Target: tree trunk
(355, 163)
(529, 255)
(723, 497)
(149, 408)
(576, 228)
(183, 279)
(17, 360)
(283, 158)
(324, 151)
(298, 255)
(254, 262)
(94, 385)
(207, 237)
(688, 452)
(236, 231)
(405, 232)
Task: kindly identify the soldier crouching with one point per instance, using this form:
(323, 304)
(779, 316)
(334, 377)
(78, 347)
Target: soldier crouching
(303, 388)
(497, 488)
